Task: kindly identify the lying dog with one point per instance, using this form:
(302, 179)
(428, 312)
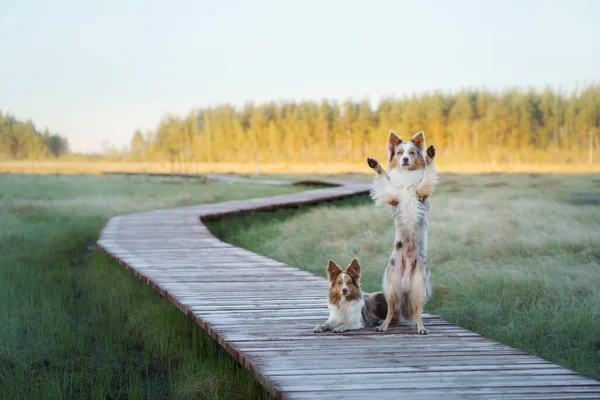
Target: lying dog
(349, 309)
(407, 185)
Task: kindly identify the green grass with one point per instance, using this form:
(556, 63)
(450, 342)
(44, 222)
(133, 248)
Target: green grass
(76, 325)
(513, 257)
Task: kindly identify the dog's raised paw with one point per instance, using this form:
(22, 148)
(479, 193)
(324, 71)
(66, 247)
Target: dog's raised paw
(431, 152)
(319, 329)
(373, 163)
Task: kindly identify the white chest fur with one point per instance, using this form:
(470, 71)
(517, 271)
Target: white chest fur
(346, 312)
(405, 187)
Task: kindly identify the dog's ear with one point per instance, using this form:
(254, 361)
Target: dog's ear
(354, 270)
(393, 141)
(333, 271)
(419, 140)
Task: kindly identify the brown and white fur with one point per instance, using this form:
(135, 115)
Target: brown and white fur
(349, 308)
(407, 185)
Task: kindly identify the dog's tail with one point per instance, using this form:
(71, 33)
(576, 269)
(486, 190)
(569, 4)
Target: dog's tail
(406, 308)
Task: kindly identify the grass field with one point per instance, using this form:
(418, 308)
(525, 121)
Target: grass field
(360, 166)
(513, 257)
(76, 325)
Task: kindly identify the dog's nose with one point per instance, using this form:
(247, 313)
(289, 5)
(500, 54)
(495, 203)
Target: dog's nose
(405, 159)
(344, 290)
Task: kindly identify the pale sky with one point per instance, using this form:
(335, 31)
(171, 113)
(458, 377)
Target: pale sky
(97, 70)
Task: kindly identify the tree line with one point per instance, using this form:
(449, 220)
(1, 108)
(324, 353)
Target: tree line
(529, 126)
(22, 141)
(471, 125)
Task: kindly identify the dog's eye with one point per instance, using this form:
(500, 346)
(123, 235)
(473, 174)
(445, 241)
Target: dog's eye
(401, 151)
(411, 152)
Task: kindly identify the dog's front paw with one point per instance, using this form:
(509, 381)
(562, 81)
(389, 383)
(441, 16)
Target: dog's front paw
(422, 331)
(319, 329)
(373, 163)
(382, 328)
(431, 153)
(340, 329)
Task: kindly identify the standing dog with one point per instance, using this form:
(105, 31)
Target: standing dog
(407, 185)
(349, 309)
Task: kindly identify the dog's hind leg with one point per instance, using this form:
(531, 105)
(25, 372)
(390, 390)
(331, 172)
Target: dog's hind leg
(390, 299)
(420, 328)
(418, 298)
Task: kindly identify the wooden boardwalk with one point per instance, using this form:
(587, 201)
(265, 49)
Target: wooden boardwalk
(262, 312)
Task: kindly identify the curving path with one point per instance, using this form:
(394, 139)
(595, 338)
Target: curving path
(262, 312)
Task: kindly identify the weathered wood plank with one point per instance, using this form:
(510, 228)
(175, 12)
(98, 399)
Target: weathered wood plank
(426, 380)
(516, 393)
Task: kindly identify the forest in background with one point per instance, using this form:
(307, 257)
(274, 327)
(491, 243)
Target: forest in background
(479, 126)
(22, 141)
(471, 125)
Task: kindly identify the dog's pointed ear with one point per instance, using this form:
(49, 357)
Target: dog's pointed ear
(419, 140)
(333, 270)
(354, 270)
(393, 141)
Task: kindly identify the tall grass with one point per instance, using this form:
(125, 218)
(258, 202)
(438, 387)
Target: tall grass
(76, 325)
(319, 168)
(513, 257)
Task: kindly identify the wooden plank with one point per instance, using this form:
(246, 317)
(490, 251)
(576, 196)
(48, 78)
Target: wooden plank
(302, 366)
(516, 393)
(364, 342)
(241, 299)
(307, 334)
(397, 369)
(425, 380)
